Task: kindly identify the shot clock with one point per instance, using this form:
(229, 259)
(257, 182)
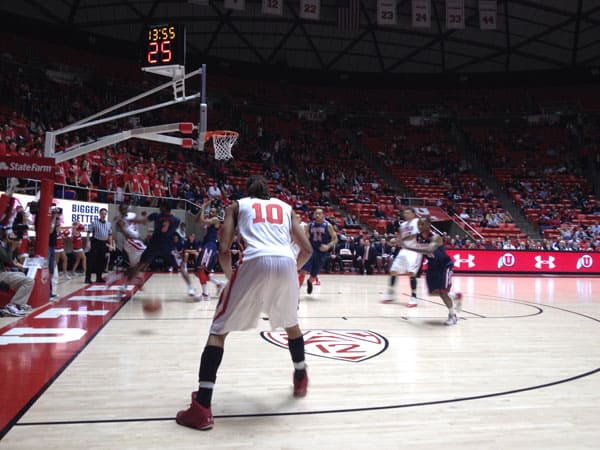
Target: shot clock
(164, 45)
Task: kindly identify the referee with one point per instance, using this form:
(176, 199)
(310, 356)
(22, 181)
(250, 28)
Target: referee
(101, 242)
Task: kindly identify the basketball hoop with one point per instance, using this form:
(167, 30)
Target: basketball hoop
(223, 141)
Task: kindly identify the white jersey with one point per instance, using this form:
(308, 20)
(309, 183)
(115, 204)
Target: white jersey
(265, 226)
(131, 229)
(295, 246)
(409, 229)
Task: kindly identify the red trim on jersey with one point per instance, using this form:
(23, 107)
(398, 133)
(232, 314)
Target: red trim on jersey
(224, 298)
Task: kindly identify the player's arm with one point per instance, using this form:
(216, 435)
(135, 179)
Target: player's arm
(436, 242)
(226, 238)
(300, 238)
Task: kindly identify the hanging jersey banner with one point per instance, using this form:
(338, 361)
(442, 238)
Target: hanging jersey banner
(488, 14)
(274, 7)
(455, 14)
(310, 9)
(238, 5)
(386, 12)
(421, 13)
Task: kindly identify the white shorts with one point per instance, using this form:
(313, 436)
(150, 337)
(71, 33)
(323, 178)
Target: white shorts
(134, 249)
(406, 261)
(267, 284)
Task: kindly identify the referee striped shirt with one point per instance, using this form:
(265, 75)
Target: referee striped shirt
(101, 230)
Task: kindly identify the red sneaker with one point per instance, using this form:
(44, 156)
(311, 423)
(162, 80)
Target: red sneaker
(317, 282)
(300, 386)
(196, 416)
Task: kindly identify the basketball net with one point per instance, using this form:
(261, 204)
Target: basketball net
(223, 141)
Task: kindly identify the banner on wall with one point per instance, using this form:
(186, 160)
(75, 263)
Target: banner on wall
(238, 5)
(524, 261)
(26, 167)
(274, 7)
(73, 210)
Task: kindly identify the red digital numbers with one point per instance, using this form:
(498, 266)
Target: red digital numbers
(159, 52)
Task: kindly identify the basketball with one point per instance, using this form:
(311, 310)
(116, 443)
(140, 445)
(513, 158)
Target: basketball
(151, 306)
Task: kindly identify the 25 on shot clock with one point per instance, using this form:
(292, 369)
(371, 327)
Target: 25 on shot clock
(164, 45)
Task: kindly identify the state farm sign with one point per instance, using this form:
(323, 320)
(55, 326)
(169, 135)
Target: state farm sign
(515, 261)
(26, 167)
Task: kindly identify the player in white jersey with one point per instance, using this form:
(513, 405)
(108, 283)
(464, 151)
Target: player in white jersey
(406, 261)
(264, 281)
(133, 246)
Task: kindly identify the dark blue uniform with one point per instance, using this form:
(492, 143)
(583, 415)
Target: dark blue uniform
(318, 234)
(208, 254)
(161, 242)
(439, 267)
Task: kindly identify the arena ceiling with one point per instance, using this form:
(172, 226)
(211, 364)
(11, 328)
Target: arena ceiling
(530, 34)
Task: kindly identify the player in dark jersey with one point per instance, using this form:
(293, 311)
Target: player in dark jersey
(439, 267)
(160, 245)
(205, 263)
(323, 238)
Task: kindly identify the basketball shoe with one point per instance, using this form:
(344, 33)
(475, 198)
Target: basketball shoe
(309, 286)
(196, 416)
(317, 282)
(457, 299)
(412, 303)
(452, 320)
(300, 386)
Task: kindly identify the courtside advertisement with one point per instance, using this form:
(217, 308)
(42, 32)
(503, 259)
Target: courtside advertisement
(26, 167)
(524, 261)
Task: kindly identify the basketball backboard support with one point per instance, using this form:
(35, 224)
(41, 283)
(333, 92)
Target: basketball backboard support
(153, 133)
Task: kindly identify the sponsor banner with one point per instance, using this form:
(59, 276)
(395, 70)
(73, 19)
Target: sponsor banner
(27, 167)
(73, 210)
(524, 261)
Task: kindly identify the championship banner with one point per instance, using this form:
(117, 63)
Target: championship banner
(524, 261)
(455, 14)
(421, 13)
(434, 213)
(386, 12)
(488, 14)
(274, 7)
(27, 167)
(239, 5)
(310, 9)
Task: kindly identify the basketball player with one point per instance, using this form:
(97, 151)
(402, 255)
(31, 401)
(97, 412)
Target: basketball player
(205, 263)
(323, 238)
(439, 267)
(160, 244)
(264, 281)
(406, 261)
(127, 224)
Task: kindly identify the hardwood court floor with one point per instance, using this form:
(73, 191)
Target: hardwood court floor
(520, 370)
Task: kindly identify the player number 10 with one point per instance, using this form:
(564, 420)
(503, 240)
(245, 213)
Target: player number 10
(273, 213)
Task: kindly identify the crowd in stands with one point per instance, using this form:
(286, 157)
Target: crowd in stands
(318, 162)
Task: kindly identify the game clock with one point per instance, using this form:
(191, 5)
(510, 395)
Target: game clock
(164, 45)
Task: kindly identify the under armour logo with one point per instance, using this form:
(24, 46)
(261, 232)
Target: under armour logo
(469, 261)
(539, 262)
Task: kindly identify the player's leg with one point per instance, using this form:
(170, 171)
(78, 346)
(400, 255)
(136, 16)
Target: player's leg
(296, 348)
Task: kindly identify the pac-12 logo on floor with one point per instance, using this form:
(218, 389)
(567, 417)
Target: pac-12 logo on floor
(344, 345)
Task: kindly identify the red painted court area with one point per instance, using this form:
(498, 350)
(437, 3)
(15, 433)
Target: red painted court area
(35, 349)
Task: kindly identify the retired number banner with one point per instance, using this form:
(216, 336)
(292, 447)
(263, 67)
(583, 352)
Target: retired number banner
(274, 7)
(239, 5)
(310, 9)
(386, 12)
(455, 14)
(488, 14)
(421, 13)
